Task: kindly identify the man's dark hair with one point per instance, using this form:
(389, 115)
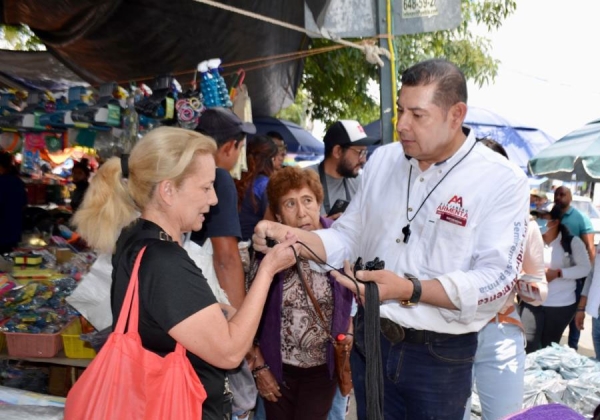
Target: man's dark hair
(6, 160)
(275, 135)
(222, 139)
(83, 165)
(450, 81)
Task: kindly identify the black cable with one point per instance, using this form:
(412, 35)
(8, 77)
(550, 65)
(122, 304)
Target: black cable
(374, 366)
(339, 270)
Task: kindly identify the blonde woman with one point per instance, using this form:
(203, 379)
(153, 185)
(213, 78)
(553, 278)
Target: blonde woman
(152, 198)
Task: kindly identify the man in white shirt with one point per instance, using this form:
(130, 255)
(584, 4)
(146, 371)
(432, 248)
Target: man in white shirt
(448, 216)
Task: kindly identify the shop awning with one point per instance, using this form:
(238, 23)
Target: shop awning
(123, 40)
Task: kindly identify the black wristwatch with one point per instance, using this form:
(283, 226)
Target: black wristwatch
(416, 294)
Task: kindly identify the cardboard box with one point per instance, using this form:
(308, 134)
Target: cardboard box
(63, 255)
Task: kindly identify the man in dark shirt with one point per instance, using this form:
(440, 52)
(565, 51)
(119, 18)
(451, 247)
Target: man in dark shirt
(222, 224)
(13, 199)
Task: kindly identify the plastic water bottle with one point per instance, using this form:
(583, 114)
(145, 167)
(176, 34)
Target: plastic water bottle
(223, 94)
(209, 86)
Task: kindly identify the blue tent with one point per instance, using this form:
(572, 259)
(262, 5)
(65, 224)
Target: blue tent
(521, 142)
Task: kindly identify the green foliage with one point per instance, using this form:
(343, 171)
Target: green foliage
(296, 112)
(21, 38)
(337, 81)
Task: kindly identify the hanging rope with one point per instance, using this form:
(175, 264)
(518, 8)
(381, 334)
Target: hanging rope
(372, 52)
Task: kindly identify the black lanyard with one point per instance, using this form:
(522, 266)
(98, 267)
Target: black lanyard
(406, 229)
(326, 203)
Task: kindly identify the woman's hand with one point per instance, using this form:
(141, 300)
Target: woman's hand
(552, 274)
(281, 256)
(267, 385)
(263, 230)
(579, 320)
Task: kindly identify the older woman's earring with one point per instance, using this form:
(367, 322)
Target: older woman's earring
(278, 218)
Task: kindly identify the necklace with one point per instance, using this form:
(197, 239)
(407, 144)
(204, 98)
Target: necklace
(406, 229)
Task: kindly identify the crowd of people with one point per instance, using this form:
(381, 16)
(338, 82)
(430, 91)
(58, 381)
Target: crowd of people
(470, 271)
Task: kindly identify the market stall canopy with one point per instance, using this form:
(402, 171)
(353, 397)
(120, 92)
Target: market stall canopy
(574, 157)
(520, 142)
(296, 138)
(35, 70)
(124, 40)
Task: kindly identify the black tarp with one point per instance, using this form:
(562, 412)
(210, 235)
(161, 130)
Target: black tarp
(123, 40)
(35, 70)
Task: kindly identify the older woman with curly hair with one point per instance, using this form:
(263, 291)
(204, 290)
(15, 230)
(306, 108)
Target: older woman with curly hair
(294, 366)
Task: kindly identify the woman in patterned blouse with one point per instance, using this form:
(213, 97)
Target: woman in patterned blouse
(294, 367)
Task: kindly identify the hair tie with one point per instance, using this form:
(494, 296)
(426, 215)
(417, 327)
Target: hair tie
(125, 165)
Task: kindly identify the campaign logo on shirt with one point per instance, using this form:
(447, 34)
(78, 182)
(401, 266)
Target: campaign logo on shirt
(453, 211)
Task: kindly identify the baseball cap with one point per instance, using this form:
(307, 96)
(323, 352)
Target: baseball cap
(348, 133)
(222, 123)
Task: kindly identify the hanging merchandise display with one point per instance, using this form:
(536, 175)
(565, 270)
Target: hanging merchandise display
(131, 126)
(188, 111)
(213, 66)
(212, 84)
(242, 107)
(160, 105)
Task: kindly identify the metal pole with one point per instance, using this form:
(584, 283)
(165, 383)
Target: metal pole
(385, 79)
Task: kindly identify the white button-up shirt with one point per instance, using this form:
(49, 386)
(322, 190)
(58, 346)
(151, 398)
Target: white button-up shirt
(468, 233)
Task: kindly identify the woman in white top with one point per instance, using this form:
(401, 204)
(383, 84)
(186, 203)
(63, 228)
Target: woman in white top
(566, 260)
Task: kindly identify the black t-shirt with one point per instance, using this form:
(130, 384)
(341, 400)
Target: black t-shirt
(222, 219)
(171, 289)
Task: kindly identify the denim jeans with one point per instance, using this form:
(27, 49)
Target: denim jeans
(338, 407)
(596, 336)
(574, 333)
(499, 371)
(259, 410)
(421, 381)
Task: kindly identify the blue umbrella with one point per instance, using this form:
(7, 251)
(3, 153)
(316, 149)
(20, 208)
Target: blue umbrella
(296, 138)
(520, 142)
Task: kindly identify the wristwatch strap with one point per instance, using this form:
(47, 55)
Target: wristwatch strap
(416, 294)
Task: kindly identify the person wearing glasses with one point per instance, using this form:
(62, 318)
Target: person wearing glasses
(345, 155)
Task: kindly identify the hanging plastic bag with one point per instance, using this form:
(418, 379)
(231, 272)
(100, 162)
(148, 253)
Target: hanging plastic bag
(127, 381)
(242, 107)
(91, 298)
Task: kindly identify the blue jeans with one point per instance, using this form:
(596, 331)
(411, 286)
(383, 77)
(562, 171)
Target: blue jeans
(259, 410)
(499, 371)
(596, 336)
(421, 381)
(338, 407)
(574, 333)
